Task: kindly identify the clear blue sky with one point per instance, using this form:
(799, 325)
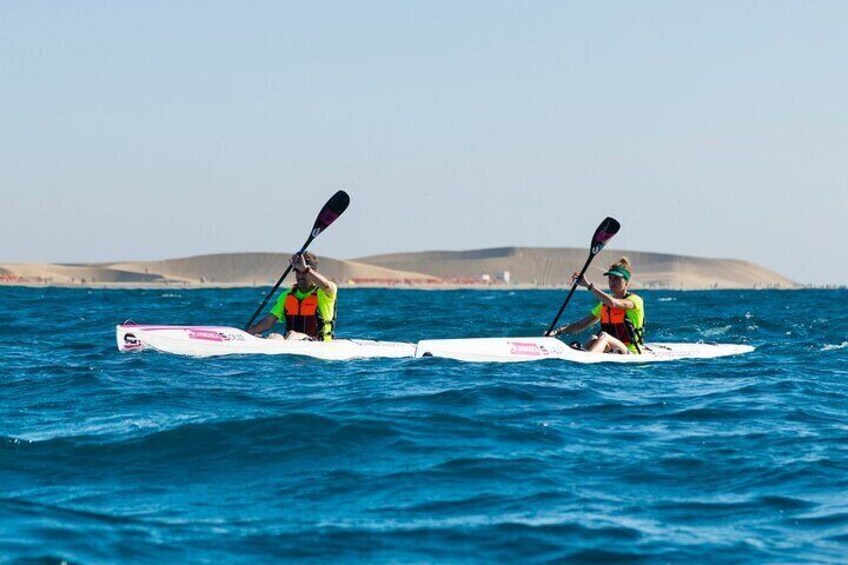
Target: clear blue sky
(147, 130)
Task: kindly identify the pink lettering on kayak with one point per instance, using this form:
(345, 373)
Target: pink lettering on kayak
(204, 335)
(524, 348)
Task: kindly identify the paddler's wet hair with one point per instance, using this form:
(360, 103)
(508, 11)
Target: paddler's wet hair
(620, 268)
(311, 260)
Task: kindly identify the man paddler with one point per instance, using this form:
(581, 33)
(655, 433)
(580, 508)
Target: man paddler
(308, 307)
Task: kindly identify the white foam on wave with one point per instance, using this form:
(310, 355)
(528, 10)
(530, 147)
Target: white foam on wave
(666, 299)
(833, 347)
(101, 427)
(712, 332)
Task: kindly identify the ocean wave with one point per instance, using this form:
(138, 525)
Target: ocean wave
(212, 441)
(108, 457)
(710, 333)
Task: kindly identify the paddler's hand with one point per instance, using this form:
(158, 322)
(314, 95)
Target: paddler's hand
(298, 262)
(579, 280)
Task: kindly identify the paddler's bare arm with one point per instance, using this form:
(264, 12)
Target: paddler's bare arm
(610, 301)
(322, 282)
(263, 325)
(312, 276)
(576, 327)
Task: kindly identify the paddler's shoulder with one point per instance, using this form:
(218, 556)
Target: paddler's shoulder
(331, 293)
(285, 292)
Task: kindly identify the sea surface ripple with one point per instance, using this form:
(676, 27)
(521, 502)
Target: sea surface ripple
(108, 457)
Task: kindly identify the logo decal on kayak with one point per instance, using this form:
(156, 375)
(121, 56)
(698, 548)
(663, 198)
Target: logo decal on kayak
(207, 335)
(211, 335)
(231, 337)
(526, 348)
(131, 342)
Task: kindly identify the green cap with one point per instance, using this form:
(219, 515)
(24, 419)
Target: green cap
(619, 271)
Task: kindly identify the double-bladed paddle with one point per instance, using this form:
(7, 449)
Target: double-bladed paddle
(334, 208)
(608, 228)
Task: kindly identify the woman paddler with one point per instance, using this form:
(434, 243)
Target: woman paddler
(622, 315)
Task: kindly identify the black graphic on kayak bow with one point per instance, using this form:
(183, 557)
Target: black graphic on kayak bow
(334, 208)
(605, 232)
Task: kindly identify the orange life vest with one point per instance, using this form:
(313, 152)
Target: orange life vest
(615, 322)
(302, 315)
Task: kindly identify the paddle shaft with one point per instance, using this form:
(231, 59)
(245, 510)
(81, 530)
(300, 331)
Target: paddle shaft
(276, 286)
(570, 293)
(331, 211)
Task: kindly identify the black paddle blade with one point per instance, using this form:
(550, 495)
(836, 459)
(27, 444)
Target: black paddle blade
(608, 228)
(334, 208)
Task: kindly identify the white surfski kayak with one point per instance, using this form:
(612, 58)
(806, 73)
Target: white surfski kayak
(536, 348)
(207, 341)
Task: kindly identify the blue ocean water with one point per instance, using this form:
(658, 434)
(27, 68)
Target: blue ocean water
(109, 457)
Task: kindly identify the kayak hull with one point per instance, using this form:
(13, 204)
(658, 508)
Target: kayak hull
(522, 349)
(209, 341)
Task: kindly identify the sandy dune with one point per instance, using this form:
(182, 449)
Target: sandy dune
(260, 269)
(244, 269)
(527, 266)
(553, 266)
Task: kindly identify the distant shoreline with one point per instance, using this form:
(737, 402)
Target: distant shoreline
(430, 288)
(503, 268)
